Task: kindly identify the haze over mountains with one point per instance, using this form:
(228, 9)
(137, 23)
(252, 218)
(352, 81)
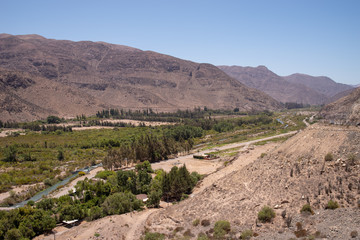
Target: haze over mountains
(299, 88)
(41, 76)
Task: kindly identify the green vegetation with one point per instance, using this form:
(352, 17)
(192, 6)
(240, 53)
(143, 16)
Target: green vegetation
(266, 214)
(307, 209)
(247, 234)
(154, 236)
(196, 222)
(221, 228)
(44, 155)
(332, 205)
(329, 157)
(94, 199)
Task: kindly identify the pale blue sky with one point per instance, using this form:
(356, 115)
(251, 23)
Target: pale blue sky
(316, 37)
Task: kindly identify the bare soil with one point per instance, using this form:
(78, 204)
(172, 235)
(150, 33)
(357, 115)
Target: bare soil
(131, 225)
(289, 176)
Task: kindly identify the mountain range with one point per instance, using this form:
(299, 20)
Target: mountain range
(299, 88)
(40, 76)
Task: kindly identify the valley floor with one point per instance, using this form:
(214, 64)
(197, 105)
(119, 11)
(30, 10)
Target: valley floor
(131, 225)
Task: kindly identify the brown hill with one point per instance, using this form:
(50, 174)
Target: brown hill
(277, 87)
(68, 78)
(293, 174)
(323, 85)
(346, 110)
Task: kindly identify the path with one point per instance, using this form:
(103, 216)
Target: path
(136, 229)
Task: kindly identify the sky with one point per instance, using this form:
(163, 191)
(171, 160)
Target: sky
(315, 37)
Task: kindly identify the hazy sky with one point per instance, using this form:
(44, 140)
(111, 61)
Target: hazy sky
(316, 37)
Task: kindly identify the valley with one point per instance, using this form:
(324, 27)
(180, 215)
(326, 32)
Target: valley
(119, 143)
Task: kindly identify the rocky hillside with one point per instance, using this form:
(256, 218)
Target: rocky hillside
(68, 78)
(299, 88)
(323, 85)
(346, 110)
(285, 179)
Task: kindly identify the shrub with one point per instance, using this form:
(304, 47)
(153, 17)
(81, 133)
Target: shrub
(205, 223)
(154, 236)
(300, 232)
(307, 209)
(247, 234)
(196, 222)
(60, 155)
(104, 174)
(266, 214)
(332, 205)
(221, 228)
(202, 236)
(329, 157)
(353, 234)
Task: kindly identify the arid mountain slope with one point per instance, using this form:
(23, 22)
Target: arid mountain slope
(346, 110)
(285, 179)
(278, 87)
(103, 75)
(323, 85)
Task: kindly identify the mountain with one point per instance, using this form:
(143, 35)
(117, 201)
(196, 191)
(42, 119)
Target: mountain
(277, 87)
(299, 88)
(346, 110)
(42, 76)
(323, 85)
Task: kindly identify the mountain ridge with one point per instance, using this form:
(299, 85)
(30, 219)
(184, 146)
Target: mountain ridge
(102, 75)
(299, 88)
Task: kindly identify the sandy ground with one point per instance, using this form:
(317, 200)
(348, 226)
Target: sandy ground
(125, 226)
(5, 133)
(130, 226)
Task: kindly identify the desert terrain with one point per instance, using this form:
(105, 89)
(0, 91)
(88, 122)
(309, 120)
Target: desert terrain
(284, 176)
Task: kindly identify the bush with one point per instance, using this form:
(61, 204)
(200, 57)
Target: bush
(221, 228)
(196, 222)
(205, 223)
(60, 155)
(10, 154)
(120, 203)
(202, 236)
(329, 157)
(353, 234)
(53, 119)
(266, 214)
(247, 234)
(332, 205)
(307, 209)
(104, 174)
(154, 236)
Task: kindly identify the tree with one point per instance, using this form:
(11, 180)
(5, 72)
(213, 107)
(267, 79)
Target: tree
(10, 154)
(13, 234)
(53, 119)
(119, 203)
(60, 155)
